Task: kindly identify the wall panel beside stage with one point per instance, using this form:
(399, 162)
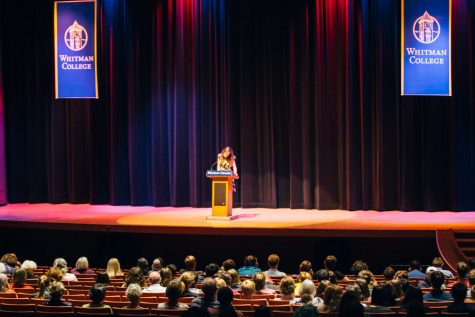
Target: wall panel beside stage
(305, 91)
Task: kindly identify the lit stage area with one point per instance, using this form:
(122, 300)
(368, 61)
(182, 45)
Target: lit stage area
(250, 221)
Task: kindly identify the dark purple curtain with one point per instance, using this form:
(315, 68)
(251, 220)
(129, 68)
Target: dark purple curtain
(307, 93)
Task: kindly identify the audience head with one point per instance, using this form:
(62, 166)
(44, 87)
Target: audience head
(3, 268)
(172, 268)
(229, 264)
(248, 288)
(102, 278)
(367, 276)
(437, 280)
(331, 297)
(287, 286)
(438, 262)
(154, 277)
(415, 309)
(303, 276)
(389, 273)
(414, 265)
(306, 311)
(29, 266)
(156, 265)
(226, 277)
(220, 282)
(365, 292)
(459, 292)
(133, 293)
(330, 262)
(325, 274)
(10, 259)
(404, 284)
(250, 260)
(113, 268)
(19, 278)
(55, 274)
(82, 264)
(472, 292)
(235, 279)
(306, 266)
(43, 284)
(3, 283)
(211, 269)
(188, 279)
(273, 261)
(462, 269)
(97, 294)
(135, 277)
(209, 287)
(174, 291)
(190, 263)
(471, 277)
(401, 274)
(307, 291)
(166, 276)
(355, 289)
(142, 263)
(259, 280)
(413, 294)
(358, 266)
(322, 286)
(61, 264)
(350, 305)
(225, 296)
(471, 263)
(382, 295)
(56, 290)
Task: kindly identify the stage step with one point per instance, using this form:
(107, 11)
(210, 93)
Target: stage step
(455, 246)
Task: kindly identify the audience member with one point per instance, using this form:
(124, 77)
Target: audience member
(307, 293)
(55, 274)
(388, 273)
(61, 264)
(273, 261)
(56, 291)
(19, 280)
(11, 262)
(174, 292)
(248, 288)
(220, 283)
(210, 271)
(43, 284)
(401, 274)
(190, 266)
(102, 279)
(82, 267)
(413, 294)
(287, 288)
(354, 288)
(225, 299)
(306, 311)
(142, 264)
(462, 274)
(330, 264)
(30, 267)
(416, 309)
(113, 268)
(350, 305)
(325, 274)
(322, 286)
(172, 267)
(331, 299)
(208, 299)
(154, 287)
(415, 270)
(365, 291)
(4, 285)
(251, 266)
(133, 293)
(166, 275)
(439, 264)
(358, 266)
(188, 279)
(459, 293)
(97, 295)
(228, 264)
(397, 288)
(135, 277)
(368, 277)
(156, 265)
(437, 294)
(300, 278)
(306, 266)
(381, 299)
(260, 281)
(235, 279)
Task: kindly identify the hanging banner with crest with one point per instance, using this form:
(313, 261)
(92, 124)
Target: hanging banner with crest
(75, 49)
(425, 47)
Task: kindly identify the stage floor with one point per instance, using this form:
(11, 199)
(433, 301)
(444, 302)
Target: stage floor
(254, 221)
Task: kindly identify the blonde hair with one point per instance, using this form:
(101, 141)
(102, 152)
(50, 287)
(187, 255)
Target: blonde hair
(188, 279)
(248, 287)
(29, 265)
(113, 268)
(220, 282)
(304, 276)
(55, 274)
(61, 264)
(82, 263)
(235, 279)
(3, 283)
(287, 286)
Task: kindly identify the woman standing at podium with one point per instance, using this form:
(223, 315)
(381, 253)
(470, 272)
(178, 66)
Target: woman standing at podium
(227, 161)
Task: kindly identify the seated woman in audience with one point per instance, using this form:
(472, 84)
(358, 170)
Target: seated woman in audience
(142, 263)
(173, 268)
(358, 266)
(133, 293)
(4, 285)
(307, 293)
(260, 281)
(248, 288)
(331, 299)
(300, 278)
(61, 264)
(188, 278)
(102, 279)
(365, 292)
(220, 283)
(97, 295)
(235, 279)
(459, 293)
(82, 267)
(413, 295)
(228, 264)
(30, 267)
(368, 277)
(11, 262)
(174, 292)
(287, 288)
(322, 286)
(355, 289)
(401, 274)
(437, 294)
(43, 284)
(19, 279)
(381, 299)
(350, 305)
(56, 291)
(225, 299)
(135, 277)
(166, 275)
(113, 268)
(388, 273)
(306, 266)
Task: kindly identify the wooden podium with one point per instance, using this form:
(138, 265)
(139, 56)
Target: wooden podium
(222, 195)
